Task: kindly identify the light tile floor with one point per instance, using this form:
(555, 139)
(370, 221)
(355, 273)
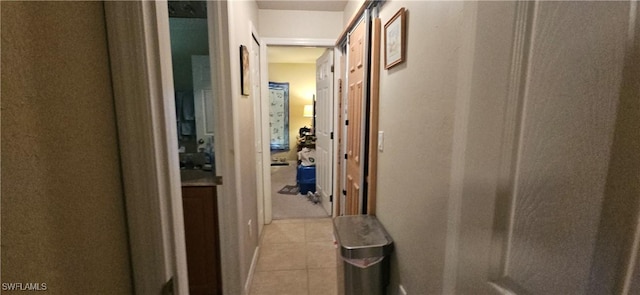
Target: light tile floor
(297, 257)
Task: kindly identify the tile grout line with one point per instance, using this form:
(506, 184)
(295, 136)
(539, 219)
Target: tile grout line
(306, 244)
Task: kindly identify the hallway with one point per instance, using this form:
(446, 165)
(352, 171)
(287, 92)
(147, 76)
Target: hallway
(506, 155)
(297, 257)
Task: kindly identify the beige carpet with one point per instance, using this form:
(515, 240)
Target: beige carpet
(291, 206)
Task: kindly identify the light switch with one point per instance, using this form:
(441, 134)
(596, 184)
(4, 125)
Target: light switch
(381, 140)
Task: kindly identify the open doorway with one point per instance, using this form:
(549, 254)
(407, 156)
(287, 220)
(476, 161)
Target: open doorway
(194, 108)
(292, 104)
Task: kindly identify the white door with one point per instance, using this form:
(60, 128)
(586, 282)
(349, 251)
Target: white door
(202, 99)
(324, 129)
(254, 52)
(546, 83)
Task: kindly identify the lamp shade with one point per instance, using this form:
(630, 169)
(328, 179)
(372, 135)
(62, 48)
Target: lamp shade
(308, 111)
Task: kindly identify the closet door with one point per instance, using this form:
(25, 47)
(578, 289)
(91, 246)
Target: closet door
(356, 98)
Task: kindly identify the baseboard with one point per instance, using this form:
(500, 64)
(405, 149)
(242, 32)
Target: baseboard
(252, 269)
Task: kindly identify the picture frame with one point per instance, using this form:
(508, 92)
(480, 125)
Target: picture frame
(279, 116)
(395, 39)
(245, 84)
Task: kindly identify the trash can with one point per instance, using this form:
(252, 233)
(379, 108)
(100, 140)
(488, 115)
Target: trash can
(306, 179)
(363, 251)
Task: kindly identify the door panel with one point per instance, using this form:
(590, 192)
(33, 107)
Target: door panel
(353, 189)
(533, 228)
(563, 154)
(340, 187)
(257, 109)
(356, 78)
(324, 129)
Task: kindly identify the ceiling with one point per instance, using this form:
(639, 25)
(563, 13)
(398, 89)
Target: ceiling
(293, 55)
(316, 5)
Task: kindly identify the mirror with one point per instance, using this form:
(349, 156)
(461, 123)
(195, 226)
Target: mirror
(192, 82)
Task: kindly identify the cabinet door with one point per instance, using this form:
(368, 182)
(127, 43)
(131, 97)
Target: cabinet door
(201, 239)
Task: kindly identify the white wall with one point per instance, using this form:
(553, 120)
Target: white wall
(350, 9)
(241, 14)
(417, 112)
(300, 24)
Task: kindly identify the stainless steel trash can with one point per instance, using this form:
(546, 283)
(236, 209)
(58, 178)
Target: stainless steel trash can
(363, 251)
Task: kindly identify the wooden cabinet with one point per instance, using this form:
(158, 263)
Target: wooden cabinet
(202, 239)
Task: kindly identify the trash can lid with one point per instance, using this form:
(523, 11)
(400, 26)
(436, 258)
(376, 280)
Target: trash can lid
(361, 236)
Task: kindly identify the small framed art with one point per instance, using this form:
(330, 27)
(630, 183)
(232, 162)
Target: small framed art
(394, 39)
(244, 70)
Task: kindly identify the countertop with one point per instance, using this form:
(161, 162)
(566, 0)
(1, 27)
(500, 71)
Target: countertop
(193, 177)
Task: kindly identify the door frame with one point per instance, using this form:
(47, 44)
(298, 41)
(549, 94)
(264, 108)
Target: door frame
(140, 56)
(141, 68)
(264, 76)
(262, 148)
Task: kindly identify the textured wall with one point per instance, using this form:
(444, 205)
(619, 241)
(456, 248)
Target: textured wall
(63, 219)
(240, 13)
(300, 24)
(350, 9)
(302, 85)
(417, 101)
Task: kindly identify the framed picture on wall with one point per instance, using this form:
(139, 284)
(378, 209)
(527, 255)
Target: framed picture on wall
(394, 39)
(279, 116)
(244, 70)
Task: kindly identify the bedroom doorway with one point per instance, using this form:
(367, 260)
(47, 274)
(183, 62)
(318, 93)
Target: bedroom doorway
(292, 96)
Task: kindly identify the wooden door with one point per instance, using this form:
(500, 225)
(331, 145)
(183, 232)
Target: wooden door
(340, 146)
(356, 47)
(202, 99)
(545, 89)
(324, 129)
